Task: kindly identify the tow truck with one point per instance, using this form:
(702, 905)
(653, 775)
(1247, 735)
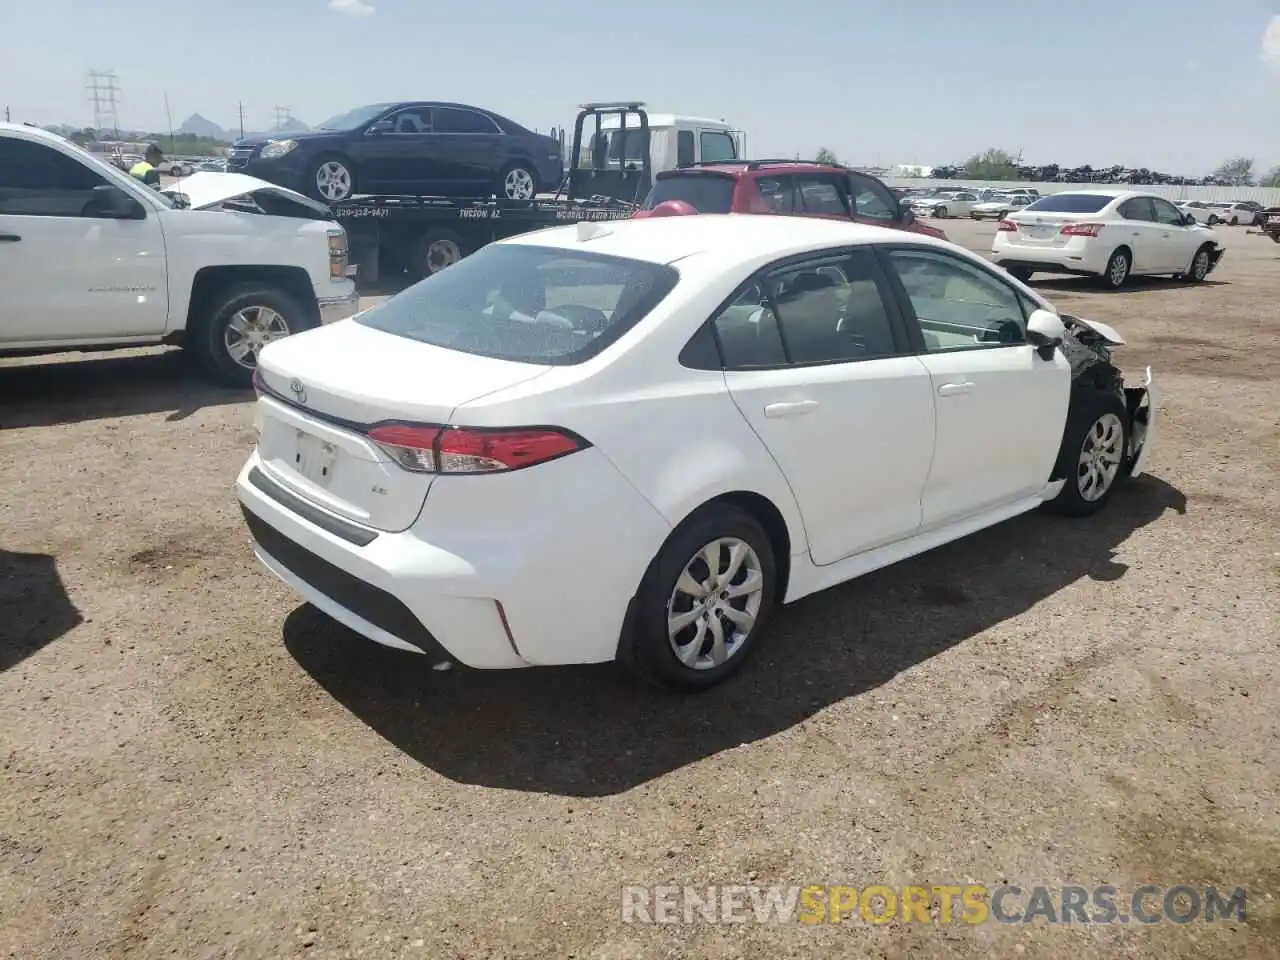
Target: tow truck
(423, 235)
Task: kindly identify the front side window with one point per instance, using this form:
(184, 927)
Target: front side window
(717, 145)
(38, 181)
(872, 199)
(527, 303)
(411, 120)
(1166, 212)
(958, 305)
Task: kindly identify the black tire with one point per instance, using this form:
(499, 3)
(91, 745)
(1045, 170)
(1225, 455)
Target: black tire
(436, 250)
(1213, 220)
(648, 652)
(941, 213)
(1021, 273)
(1088, 409)
(1113, 278)
(1235, 221)
(1199, 265)
(207, 339)
(522, 167)
(312, 189)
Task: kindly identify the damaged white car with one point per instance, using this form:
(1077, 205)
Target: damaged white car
(755, 408)
(222, 264)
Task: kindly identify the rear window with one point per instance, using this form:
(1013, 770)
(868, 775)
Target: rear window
(705, 192)
(1069, 203)
(526, 303)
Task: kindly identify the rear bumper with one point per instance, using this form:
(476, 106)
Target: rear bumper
(537, 569)
(1077, 256)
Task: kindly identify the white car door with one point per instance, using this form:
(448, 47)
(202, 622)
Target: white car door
(1179, 242)
(1001, 408)
(1139, 231)
(66, 273)
(824, 374)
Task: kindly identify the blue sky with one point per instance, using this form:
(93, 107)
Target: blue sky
(1176, 85)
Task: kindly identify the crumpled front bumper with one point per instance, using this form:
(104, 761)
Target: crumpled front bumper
(1142, 411)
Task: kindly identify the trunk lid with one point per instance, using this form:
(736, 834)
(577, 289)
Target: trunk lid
(1045, 229)
(323, 388)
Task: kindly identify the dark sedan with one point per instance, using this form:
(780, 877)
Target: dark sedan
(419, 147)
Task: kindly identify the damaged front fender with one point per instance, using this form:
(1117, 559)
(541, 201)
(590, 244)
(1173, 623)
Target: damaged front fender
(1141, 402)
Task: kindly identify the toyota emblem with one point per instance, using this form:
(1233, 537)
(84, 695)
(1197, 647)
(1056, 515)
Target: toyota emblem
(299, 391)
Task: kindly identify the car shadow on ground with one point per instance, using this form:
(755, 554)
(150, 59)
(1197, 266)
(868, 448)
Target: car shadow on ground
(37, 609)
(43, 394)
(1086, 285)
(592, 731)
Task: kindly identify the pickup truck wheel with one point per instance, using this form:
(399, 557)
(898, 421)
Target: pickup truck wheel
(434, 251)
(238, 323)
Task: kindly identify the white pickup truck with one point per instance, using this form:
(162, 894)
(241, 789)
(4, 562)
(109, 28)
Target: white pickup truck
(221, 264)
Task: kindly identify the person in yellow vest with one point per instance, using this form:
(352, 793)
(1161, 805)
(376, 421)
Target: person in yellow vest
(146, 170)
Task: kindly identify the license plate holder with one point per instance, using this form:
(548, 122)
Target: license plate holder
(1039, 232)
(315, 459)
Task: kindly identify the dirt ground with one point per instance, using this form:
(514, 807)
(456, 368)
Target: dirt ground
(195, 765)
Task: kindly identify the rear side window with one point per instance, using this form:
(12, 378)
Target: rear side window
(1069, 203)
(1139, 208)
(526, 303)
(705, 192)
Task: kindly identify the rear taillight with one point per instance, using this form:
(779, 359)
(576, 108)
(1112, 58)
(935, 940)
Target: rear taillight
(1007, 226)
(1082, 229)
(425, 448)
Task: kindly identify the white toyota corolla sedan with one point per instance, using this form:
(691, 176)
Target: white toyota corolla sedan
(632, 440)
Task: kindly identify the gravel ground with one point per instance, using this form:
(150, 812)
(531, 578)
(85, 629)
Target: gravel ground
(194, 765)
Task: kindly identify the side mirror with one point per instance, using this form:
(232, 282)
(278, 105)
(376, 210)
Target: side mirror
(109, 202)
(1045, 332)
(905, 216)
(382, 126)
(1188, 220)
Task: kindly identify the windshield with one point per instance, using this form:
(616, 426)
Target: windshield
(355, 118)
(1069, 203)
(705, 192)
(526, 303)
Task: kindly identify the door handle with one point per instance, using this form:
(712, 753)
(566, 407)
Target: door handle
(790, 408)
(954, 389)
(9, 238)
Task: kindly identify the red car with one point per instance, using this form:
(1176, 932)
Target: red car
(787, 187)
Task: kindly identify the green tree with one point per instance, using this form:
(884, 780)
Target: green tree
(1271, 179)
(992, 164)
(1238, 171)
(827, 156)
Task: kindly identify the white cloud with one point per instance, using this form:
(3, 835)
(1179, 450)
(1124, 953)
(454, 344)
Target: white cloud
(358, 8)
(1270, 40)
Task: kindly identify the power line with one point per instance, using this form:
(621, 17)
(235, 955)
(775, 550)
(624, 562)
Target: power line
(104, 97)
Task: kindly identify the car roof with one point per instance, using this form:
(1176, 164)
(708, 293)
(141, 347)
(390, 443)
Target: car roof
(764, 167)
(1113, 194)
(733, 236)
(613, 122)
(32, 133)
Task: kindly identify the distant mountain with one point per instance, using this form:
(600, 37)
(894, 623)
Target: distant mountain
(197, 126)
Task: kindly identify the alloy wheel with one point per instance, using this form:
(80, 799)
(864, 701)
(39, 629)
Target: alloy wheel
(1100, 457)
(715, 603)
(518, 184)
(251, 329)
(333, 181)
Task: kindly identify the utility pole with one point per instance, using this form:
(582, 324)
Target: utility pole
(104, 97)
(241, 119)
